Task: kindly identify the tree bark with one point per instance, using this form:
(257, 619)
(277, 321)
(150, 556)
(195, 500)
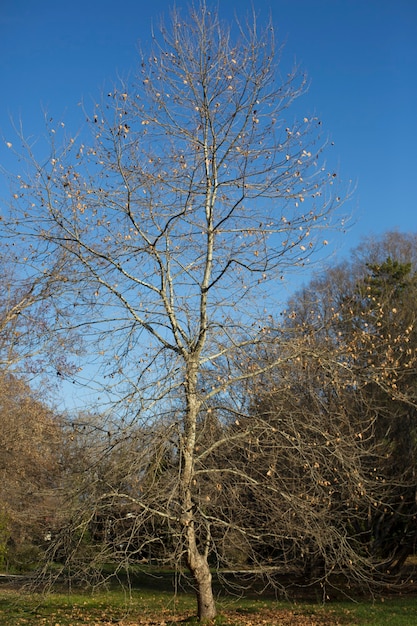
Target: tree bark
(197, 561)
(199, 568)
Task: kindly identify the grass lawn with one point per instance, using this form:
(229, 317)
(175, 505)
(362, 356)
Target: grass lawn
(155, 603)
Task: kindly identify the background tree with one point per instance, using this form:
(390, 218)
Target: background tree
(363, 312)
(29, 471)
(31, 431)
(197, 192)
(314, 452)
(27, 313)
(384, 323)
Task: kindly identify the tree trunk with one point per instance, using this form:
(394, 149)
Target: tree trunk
(200, 570)
(197, 561)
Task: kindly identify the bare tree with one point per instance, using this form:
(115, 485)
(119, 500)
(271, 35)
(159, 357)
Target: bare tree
(27, 314)
(30, 351)
(197, 193)
(358, 321)
(320, 453)
(29, 469)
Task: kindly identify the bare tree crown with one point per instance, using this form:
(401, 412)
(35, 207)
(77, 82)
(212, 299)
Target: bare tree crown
(197, 189)
(195, 195)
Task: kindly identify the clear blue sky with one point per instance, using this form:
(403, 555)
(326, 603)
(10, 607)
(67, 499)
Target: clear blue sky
(360, 55)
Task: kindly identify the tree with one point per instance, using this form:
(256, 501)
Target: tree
(384, 322)
(27, 313)
(29, 469)
(31, 430)
(317, 452)
(197, 193)
(362, 313)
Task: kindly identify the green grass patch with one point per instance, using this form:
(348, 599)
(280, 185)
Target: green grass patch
(151, 599)
(392, 612)
(106, 607)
